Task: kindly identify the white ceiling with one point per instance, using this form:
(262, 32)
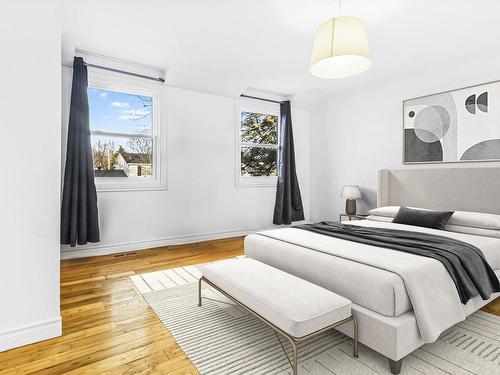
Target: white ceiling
(227, 46)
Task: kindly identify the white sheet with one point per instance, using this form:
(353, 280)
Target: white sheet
(429, 286)
(376, 289)
(490, 246)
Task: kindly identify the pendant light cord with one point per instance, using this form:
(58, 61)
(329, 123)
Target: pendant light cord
(340, 8)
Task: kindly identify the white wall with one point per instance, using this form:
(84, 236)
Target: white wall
(30, 76)
(355, 133)
(201, 201)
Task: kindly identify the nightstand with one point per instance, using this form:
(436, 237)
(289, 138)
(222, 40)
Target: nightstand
(353, 217)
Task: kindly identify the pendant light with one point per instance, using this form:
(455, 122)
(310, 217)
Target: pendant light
(340, 48)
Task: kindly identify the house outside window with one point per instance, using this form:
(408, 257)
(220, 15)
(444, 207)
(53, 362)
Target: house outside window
(125, 129)
(257, 143)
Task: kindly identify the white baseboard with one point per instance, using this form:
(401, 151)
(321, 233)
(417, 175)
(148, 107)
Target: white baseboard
(29, 334)
(103, 249)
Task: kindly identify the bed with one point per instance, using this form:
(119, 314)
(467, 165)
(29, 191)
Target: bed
(398, 308)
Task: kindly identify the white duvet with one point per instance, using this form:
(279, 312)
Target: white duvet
(430, 288)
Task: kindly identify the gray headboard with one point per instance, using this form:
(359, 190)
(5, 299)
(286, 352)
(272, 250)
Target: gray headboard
(464, 189)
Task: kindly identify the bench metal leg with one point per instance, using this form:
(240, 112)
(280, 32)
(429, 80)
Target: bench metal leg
(295, 359)
(199, 291)
(355, 337)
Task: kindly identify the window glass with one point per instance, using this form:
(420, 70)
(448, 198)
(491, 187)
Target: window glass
(259, 128)
(258, 161)
(121, 126)
(258, 144)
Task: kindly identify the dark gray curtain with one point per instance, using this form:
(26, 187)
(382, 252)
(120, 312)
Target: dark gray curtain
(288, 206)
(79, 216)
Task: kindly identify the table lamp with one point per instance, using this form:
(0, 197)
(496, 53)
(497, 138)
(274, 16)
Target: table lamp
(350, 193)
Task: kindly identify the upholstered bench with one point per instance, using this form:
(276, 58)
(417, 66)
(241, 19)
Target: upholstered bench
(296, 308)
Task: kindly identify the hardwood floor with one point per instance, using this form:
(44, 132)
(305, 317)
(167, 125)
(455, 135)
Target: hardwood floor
(107, 326)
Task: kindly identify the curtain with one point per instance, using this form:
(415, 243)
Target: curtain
(79, 215)
(288, 206)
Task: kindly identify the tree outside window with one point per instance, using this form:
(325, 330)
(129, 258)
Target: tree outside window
(258, 144)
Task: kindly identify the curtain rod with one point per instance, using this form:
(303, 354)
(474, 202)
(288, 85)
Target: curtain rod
(257, 98)
(159, 79)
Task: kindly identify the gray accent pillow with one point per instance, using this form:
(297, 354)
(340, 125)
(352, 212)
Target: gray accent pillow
(422, 218)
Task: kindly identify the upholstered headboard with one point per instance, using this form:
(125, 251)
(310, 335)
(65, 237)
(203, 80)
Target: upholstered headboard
(464, 189)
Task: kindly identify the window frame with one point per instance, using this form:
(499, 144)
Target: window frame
(254, 106)
(135, 86)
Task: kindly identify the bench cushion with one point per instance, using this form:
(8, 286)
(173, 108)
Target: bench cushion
(296, 306)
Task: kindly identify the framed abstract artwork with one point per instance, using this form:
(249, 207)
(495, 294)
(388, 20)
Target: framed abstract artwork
(455, 126)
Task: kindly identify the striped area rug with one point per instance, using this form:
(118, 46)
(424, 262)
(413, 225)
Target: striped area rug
(220, 338)
(160, 280)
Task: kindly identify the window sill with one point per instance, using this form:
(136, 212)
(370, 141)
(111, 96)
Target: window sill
(130, 186)
(256, 182)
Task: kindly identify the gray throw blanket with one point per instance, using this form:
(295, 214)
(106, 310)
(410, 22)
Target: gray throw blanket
(465, 263)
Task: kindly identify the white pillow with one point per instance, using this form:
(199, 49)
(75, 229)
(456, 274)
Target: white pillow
(384, 219)
(452, 228)
(391, 211)
(475, 220)
(459, 218)
(386, 211)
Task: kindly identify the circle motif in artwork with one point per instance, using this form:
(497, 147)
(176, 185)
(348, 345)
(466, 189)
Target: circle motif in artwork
(482, 102)
(411, 114)
(432, 123)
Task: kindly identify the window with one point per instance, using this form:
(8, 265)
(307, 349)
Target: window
(258, 134)
(125, 132)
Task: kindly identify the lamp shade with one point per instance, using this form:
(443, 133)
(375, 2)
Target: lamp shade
(350, 192)
(340, 48)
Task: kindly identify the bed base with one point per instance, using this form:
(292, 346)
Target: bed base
(394, 337)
